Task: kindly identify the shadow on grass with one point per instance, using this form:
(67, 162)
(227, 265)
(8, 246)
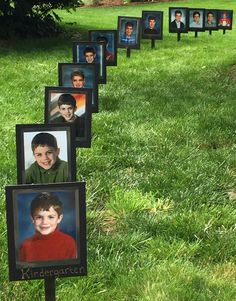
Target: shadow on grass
(70, 32)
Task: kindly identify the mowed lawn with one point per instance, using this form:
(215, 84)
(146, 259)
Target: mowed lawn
(161, 172)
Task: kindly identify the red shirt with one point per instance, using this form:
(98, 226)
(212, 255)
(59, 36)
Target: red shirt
(54, 246)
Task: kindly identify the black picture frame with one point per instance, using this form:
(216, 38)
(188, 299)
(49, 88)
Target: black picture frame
(83, 99)
(225, 22)
(152, 24)
(211, 18)
(192, 24)
(79, 56)
(63, 253)
(182, 12)
(47, 165)
(90, 72)
(135, 27)
(110, 39)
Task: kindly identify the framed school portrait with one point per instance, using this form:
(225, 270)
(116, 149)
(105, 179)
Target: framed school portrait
(225, 19)
(45, 153)
(129, 31)
(80, 76)
(178, 19)
(91, 53)
(109, 38)
(211, 19)
(46, 227)
(70, 106)
(196, 19)
(152, 25)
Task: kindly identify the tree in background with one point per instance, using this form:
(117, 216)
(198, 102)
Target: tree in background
(32, 17)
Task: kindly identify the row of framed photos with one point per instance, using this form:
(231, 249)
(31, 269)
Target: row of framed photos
(131, 29)
(183, 19)
(46, 211)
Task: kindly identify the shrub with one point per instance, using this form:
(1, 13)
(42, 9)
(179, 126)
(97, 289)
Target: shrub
(32, 17)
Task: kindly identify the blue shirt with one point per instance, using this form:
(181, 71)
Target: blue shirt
(128, 39)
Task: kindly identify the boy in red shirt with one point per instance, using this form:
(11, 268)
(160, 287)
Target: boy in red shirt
(48, 242)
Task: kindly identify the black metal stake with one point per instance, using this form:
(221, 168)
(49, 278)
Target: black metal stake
(210, 32)
(128, 52)
(152, 43)
(196, 32)
(224, 31)
(178, 36)
(49, 285)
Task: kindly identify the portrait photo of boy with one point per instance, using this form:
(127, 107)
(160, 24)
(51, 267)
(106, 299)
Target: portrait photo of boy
(78, 79)
(178, 19)
(43, 154)
(152, 25)
(48, 242)
(67, 106)
(129, 30)
(196, 19)
(46, 226)
(210, 19)
(109, 39)
(91, 53)
(80, 76)
(70, 106)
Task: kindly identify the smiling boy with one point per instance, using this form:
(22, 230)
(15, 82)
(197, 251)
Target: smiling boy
(77, 79)
(48, 167)
(48, 242)
(67, 107)
(89, 54)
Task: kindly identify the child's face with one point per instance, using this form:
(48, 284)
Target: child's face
(67, 111)
(90, 56)
(78, 81)
(45, 222)
(46, 156)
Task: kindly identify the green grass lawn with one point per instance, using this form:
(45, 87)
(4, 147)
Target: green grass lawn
(161, 224)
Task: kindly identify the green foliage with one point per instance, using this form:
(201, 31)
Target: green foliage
(32, 17)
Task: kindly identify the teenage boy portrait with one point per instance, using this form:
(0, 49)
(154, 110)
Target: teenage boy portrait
(109, 56)
(128, 36)
(151, 29)
(195, 19)
(48, 243)
(177, 23)
(109, 39)
(67, 107)
(210, 19)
